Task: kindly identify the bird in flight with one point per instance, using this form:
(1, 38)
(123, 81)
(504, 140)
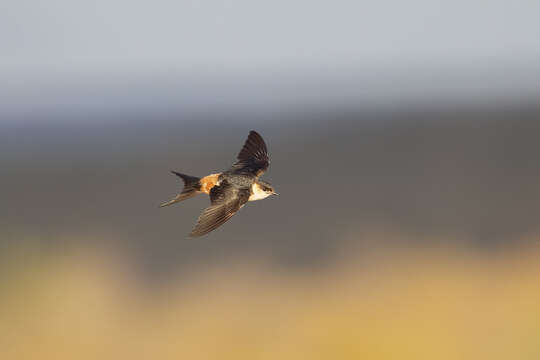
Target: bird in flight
(231, 189)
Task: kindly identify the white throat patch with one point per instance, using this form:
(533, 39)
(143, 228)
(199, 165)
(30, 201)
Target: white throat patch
(257, 193)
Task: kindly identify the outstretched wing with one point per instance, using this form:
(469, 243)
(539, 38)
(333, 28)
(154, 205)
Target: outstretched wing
(226, 200)
(253, 158)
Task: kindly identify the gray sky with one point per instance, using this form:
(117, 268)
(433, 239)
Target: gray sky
(102, 44)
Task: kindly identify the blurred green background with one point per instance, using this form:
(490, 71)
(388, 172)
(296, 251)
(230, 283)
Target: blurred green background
(404, 147)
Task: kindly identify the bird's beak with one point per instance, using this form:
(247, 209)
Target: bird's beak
(275, 193)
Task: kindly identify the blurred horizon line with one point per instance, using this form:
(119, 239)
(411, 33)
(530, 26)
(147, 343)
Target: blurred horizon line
(83, 97)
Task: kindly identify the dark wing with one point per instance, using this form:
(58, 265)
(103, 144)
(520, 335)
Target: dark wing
(226, 201)
(253, 158)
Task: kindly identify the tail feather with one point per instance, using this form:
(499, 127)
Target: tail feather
(191, 188)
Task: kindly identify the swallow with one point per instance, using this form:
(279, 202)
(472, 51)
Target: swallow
(229, 190)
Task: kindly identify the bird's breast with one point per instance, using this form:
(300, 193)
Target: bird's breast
(257, 193)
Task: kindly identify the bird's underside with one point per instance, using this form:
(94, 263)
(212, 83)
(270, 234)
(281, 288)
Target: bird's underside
(231, 189)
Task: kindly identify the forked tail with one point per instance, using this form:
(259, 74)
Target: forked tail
(191, 188)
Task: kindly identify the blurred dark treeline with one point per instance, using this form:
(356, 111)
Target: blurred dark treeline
(468, 173)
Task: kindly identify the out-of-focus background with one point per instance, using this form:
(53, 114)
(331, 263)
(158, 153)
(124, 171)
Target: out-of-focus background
(404, 145)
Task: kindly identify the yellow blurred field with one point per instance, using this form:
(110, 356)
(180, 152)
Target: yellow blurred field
(428, 304)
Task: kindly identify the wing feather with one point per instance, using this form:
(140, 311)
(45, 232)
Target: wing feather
(253, 158)
(226, 201)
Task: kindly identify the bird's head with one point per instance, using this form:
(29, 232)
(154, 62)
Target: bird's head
(266, 187)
